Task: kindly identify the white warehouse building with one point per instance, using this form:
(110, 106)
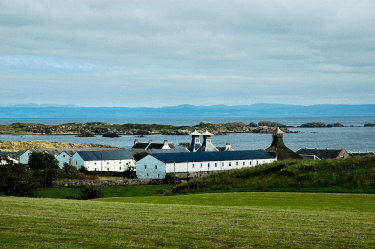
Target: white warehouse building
(105, 160)
(189, 165)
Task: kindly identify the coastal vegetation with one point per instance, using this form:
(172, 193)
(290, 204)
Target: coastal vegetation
(113, 130)
(13, 146)
(353, 175)
(223, 220)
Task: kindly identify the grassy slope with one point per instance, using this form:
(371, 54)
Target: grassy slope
(289, 220)
(354, 175)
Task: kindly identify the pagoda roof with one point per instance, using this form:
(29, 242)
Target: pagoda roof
(195, 133)
(278, 131)
(207, 133)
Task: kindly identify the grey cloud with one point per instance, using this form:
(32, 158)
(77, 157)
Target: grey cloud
(232, 49)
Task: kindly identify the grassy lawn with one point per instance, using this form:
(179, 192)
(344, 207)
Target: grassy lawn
(108, 191)
(283, 220)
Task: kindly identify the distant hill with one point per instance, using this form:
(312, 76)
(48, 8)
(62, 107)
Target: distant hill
(353, 175)
(256, 110)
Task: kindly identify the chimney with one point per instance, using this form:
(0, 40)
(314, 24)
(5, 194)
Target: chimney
(207, 144)
(195, 141)
(136, 141)
(228, 147)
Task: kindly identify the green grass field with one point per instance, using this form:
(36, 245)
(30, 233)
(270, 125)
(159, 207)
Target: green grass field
(108, 191)
(223, 220)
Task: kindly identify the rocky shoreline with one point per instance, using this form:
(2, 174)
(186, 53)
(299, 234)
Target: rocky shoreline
(100, 128)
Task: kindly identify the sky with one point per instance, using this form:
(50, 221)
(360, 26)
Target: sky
(164, 53)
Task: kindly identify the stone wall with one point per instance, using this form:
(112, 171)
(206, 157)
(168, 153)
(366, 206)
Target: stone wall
(121, 182)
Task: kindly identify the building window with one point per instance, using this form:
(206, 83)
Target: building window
(107, 169)
(257, 162)
(193, 165)
(119, 162)
(63, 155)
(95, 169)
(158, 175)
(222, 164)
(145, 166)
(107, 162)
(201, 165)
(230, 164)
(120, 168)
(236, 163)
(156, 167)
(215, 164)
(208, 164)
(94, 163)
(243, 163)
(76, 163)
(250, 163)
(147, 174)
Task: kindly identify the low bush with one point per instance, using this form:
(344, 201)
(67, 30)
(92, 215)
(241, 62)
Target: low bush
(90, 192)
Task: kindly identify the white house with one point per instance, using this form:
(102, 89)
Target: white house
(188, 165)
(105, 160)
(65, 157)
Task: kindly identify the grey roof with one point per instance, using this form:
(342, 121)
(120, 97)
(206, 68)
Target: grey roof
(368, 153)
(158, 151)
(105, 155)
(15, 155)
(321, 153)
(212, 156)
(150, 146)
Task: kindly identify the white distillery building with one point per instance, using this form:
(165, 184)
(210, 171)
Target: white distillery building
(189, 165)
(106, 160)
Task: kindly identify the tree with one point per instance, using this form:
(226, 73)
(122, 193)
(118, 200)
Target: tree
(16, 180)
(42, 161)
(138, 156)
(130, 172)
(69, 171)
(46, 164)
(184, 144)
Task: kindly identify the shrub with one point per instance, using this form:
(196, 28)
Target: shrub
(129, 172)
(83, 170)
(90, 192)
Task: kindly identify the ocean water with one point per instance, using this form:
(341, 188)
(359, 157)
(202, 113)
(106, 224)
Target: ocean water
(350, 138)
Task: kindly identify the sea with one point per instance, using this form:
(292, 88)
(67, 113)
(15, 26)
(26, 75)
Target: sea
(354, 137)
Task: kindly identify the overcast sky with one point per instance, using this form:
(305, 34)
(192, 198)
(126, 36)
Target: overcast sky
(160, 53)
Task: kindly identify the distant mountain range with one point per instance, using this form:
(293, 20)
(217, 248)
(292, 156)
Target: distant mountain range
(256, 110)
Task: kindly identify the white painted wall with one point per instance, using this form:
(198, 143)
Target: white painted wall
(63, 157)
(150, 167)
(146, 166)
(102, 165)
(24, 158)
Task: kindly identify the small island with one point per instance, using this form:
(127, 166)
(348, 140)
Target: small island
(320, 125)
